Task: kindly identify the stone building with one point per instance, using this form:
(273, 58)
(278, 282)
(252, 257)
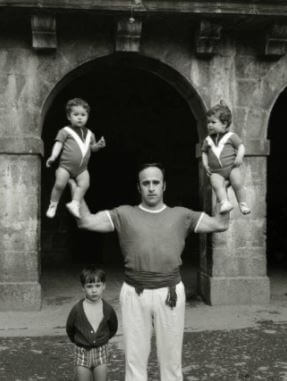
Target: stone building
(150, 70)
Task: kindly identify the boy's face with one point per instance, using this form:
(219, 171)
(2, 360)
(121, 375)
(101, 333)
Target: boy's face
(215, 126)
(94, 290)
(78, 116)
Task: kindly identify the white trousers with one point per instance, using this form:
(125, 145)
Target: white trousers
(140, 314)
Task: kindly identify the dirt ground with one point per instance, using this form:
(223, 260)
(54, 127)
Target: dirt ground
(243, 354)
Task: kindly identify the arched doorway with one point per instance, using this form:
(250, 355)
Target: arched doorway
(277, 198)
(143, 118)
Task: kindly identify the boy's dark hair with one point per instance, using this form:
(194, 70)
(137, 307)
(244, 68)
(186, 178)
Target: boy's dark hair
(77, 102)
(91, 274)
(222, 112)
(148, 165)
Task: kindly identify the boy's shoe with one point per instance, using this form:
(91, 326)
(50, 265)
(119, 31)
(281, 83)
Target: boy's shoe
(225, 207)
(52, 209)
(244, 208)
(74, 208)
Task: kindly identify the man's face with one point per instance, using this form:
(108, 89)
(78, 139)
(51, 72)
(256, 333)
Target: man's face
(151, 187)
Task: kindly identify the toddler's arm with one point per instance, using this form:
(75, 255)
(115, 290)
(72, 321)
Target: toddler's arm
(57, 148)
(240, 155)
(98, 145)
(205, 163)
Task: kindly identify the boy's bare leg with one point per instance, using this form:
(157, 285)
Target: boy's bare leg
(100, 373)
(83, 374)
(239, 189)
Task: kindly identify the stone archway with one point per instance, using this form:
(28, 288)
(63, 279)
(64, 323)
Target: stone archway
(147, 111)
(276, 199)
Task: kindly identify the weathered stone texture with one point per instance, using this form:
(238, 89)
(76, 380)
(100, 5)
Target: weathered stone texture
(232, 263)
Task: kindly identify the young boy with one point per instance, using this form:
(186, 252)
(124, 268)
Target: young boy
(222, 156)
(90, 325)
(75, 143)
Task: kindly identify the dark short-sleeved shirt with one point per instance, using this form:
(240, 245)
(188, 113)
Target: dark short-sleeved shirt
(152, 241)
(71, 157)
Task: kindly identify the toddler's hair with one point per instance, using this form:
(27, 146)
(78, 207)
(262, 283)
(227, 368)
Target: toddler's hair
(77, 102)
(222, 112)
(92, 274)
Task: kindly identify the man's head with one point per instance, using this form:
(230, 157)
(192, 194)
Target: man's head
(151, 185)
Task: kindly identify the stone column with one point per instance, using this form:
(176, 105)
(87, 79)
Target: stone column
(20, 186)
(233, 263)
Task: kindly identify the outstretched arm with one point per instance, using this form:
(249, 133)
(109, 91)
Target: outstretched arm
(99, 222)
(217, 223)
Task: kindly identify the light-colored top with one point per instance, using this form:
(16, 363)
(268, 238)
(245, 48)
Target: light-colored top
(153, 241)
(94, 313)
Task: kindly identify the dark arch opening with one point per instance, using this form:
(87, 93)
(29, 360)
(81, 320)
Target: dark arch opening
(276, 187)
(143, 118)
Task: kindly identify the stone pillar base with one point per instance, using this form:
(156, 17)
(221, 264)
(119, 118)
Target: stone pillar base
(235, 290)
(23, 296)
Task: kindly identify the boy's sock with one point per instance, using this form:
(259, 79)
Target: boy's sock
(52, 209)
(74, 208)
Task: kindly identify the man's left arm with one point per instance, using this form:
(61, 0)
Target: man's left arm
(217, 223)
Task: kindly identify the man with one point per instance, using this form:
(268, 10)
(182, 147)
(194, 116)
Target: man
(152, 238)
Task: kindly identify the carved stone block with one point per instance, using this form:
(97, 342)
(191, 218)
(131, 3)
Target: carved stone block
(43, 32)
(275, 43)
(128, 35)
(207, 38)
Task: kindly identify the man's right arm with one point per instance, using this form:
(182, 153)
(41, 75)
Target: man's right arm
(99, 222)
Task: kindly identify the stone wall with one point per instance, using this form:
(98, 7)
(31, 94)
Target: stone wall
(233, 264)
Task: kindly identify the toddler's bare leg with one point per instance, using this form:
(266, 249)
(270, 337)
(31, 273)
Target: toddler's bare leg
(62, 178)
(100, 373)
(83, 374)
(218, 185)
(83, 183)
(239, 190)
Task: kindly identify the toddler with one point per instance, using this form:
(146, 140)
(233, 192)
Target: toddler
(222, 157)
(74, 144)
(90, 325)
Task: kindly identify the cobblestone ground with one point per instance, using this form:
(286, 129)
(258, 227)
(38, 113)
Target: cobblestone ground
(244, 354)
